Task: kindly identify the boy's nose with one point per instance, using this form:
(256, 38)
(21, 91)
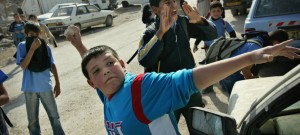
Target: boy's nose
(106, 72)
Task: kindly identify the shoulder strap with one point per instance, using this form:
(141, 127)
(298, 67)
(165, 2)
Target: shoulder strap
(184, 25)
(6, 118)
(256, 42)
(136, 95)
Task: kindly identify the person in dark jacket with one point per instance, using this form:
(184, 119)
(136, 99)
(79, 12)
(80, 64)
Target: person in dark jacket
(148, 16)
(165, 45)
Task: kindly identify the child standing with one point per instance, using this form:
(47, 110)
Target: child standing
(216, 10)
(137, 104)
(35, 58)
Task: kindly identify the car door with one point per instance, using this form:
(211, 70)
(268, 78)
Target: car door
(83, 17)
(97, 16)
(279, 112)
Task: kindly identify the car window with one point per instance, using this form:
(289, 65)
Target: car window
(81, 10)
(285, 122)
(276, 7)
(63, 12)
(92, 9)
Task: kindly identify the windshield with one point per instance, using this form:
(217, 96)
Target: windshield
(53, 9)
(276, 7)
(63, 12)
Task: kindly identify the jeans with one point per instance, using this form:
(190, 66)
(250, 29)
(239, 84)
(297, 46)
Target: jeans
(228, 82)
(32, 106)
(195, 101)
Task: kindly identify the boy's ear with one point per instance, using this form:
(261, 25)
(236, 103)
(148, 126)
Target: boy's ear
(155, 10)
(91, 84)
(122, 63)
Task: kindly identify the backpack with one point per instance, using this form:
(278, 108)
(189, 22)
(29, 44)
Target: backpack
(222, 48)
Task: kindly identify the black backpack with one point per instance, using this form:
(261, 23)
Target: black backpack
(222, 48)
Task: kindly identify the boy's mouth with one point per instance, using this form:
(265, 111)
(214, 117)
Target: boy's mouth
(174, 12)
(109, 79)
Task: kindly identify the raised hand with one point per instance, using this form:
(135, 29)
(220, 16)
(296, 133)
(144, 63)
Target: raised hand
(192, 13)
(268, 53)
(73, 35)
(166, 20)
(36, 43)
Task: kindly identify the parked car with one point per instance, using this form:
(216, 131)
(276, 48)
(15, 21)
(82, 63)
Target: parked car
(81, 15)
(270, 15)
(237, 6)
(47, 15)
(263, 106)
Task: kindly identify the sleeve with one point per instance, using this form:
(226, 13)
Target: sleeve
(204, 32)
(164, 93)
(21, 53)
(3, 76)
(11, 27)
(50, 55)
(150, 48)
(228, 27)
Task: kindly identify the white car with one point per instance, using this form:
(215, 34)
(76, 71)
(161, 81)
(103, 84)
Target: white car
(80, 15)
(47, 15)
(268, 15)
(263, 106)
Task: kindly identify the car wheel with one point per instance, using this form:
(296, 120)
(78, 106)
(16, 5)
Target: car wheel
(234, 12)
(125, 4)
(109, 21)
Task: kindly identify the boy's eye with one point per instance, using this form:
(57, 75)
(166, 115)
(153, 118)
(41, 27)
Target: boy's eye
(110, 63)
(96, 71)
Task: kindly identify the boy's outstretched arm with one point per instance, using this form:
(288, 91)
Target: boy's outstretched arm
(209, 74)
(74, 36)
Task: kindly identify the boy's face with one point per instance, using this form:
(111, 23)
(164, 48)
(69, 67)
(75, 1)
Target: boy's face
(216, 12)
(106, 73)
(172, 4)
(17, 17)
(33, 19)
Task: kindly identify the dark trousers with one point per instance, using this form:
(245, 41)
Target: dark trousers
(195, 101)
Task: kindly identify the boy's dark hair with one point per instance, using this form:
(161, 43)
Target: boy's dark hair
(279, 35)
(93, 53)
(154, 3)
(32, 26)
(31, 16)
(216, 4)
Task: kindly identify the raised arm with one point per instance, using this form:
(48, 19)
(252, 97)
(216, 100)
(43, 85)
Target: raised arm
(74, 36)
(209, 74)
(35, 44)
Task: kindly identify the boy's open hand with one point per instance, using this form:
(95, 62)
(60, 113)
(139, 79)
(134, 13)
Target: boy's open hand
(36, 43)
(191, 13)
(56, 90)
(268, 53)
(166, 20)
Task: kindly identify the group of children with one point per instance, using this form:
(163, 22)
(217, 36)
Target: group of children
(144, 103)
